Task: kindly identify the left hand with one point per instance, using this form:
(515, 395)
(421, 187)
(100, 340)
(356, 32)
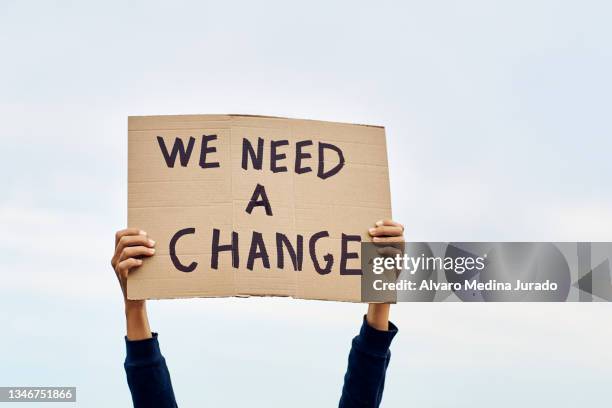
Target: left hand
(392, 233)
(387, 231)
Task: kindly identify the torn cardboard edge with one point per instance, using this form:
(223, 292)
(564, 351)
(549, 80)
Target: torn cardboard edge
(231, 115)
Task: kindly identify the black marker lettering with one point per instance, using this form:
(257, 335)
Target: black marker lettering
(175, 261)
(177, 149)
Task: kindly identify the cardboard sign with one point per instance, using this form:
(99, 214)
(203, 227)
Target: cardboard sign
(253, 206)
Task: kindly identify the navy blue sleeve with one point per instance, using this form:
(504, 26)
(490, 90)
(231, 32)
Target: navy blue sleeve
(368, 360)
(147, 374)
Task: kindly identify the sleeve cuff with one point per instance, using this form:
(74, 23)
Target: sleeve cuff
(142, 351)
(377, 340)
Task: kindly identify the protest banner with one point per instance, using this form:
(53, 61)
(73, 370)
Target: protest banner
(253, 206)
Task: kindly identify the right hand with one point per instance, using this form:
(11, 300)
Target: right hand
(131, 245)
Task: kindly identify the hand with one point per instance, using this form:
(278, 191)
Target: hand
(392, 233)
(130, 246)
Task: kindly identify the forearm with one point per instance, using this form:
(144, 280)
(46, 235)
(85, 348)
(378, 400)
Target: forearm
(378, 316)
(147, 374)
(137, 321)
(367, 364)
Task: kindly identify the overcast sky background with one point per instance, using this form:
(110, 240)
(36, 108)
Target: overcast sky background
(498, 127)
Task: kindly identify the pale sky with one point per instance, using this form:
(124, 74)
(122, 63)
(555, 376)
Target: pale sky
(497, 118)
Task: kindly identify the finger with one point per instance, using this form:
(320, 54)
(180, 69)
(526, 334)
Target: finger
(387, 239)
(389, 223)
(125, 266)
(133, 240)
(388, 251)
(126, 232)
(390, 231)
(134, 252)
